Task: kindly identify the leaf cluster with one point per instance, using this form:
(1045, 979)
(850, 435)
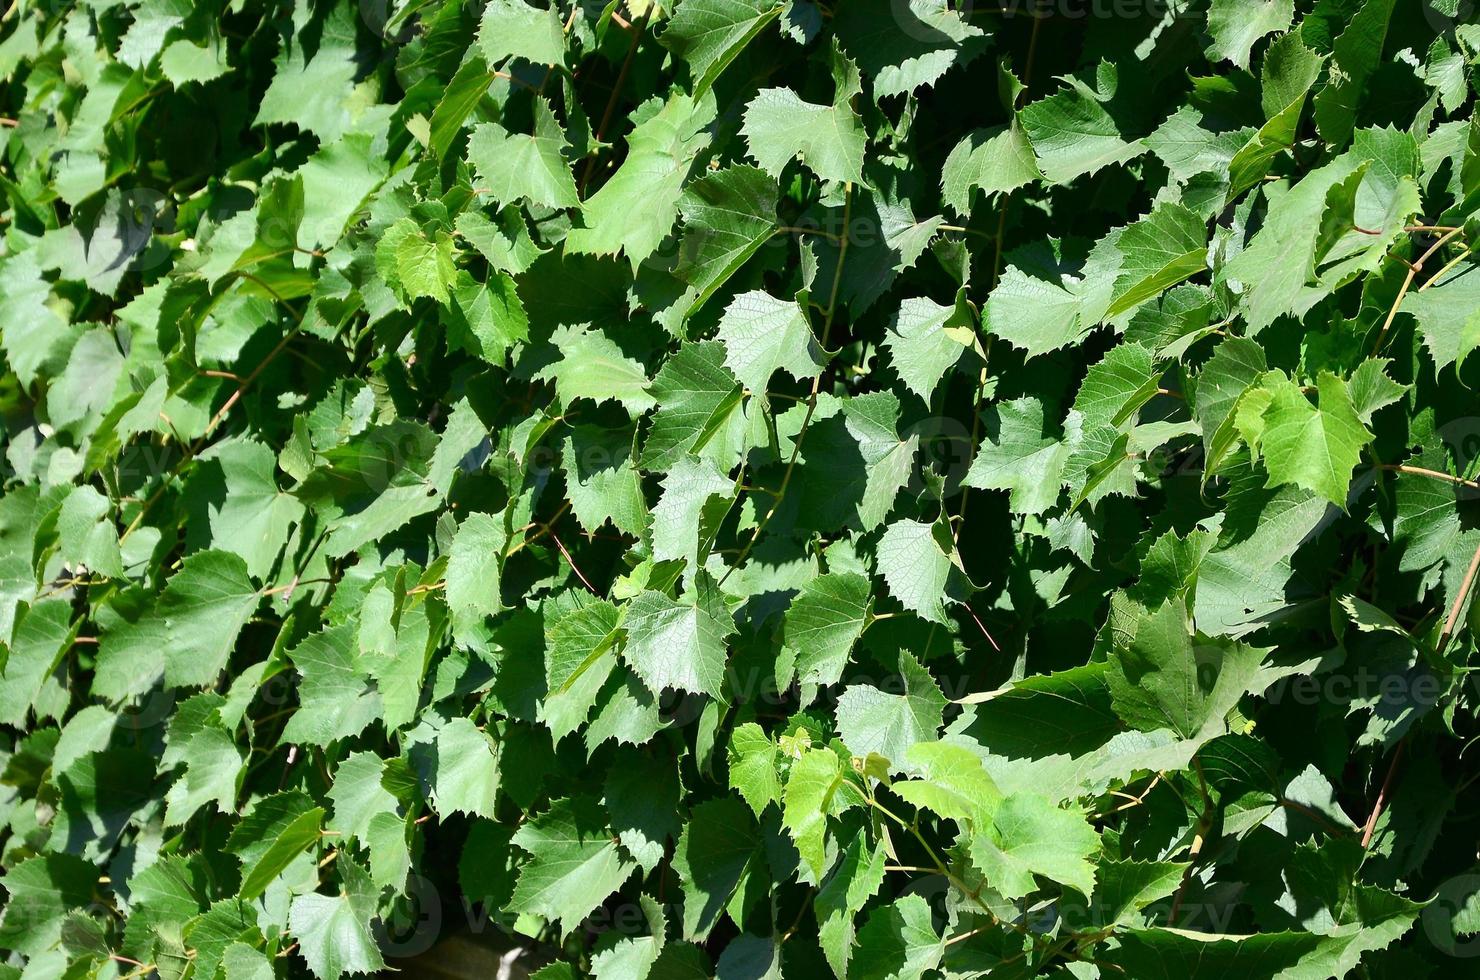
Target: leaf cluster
(739, 489)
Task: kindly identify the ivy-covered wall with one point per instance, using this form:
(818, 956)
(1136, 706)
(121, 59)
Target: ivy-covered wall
(884, 489)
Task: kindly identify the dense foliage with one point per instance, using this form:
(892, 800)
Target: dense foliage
(740, 489)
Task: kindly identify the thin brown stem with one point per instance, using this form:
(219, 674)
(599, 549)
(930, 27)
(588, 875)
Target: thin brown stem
(221, 413)
(1382, 794)
(1445, 634)
(517, 81)
(963, 230)
(1204, 825)
(796, 446)
(572, 563)
(1414, 269)
(1459, 601)
(611, 103)
(793, 230)
(1432, 474)
(544, 529)
(1447, 266)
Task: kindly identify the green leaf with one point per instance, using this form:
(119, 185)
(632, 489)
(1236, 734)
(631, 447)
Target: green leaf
(251, 517)
(1124, 888)
(1166, 247)
(31, 331)
(1236, 364)
(313, 85)
(873, 721)
(270, 836)
(642, 796)
(1072, 132)
(1313, 446)
(591, 365)
(817, 787)
(466, 89)
(709, 34)
(458, 766)
(601, 479)
(1161, 679)
(998, 160)
(763, 335)
(918, 568)
(1286, 75)
(579, 657)
(358, 795)
(474, 566)
(518, 29)
(336, 698)
(779, 126)
(1237, 25)
(1354, 58)
(1073, 704)
(414, 264)
(720, 848)
(1019, 453)
(333, 933)
(634, 210)
(1277, 264)
(1034, 313)
(677, 525)
(856, 463)
(926, 340)
(727, 217)
(574, 863)
(33, 681)
(953, 783)
(1446, 317)
(1244, 578)
(898, 942)
(204, 607)
(824, 621)
(680, 644)
(226, 924)
(698, 409)
(902, 46)
(214, 766)
(1030, 836)
(856, 879)
(754, 766)
(39, 889)
(337, 179)
(513, 167)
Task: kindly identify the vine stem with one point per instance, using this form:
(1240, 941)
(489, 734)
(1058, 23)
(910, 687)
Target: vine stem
(981, 383)
(940, 866)
(1382, 794)
(611, 103)
(796, 446)
(573, 566)
(1370, 827)
(222, 412)
(544, 528)
(1414, 268)
(1432, 474)
(1459, 600)
(1204, 825)
(1447, 266)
